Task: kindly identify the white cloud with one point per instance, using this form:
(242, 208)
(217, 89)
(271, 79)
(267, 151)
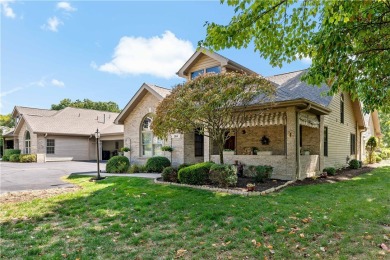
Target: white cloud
(52, 24)
(7, 10)
(57, 83)
(157, 56)
(6, 93)
(66, 6)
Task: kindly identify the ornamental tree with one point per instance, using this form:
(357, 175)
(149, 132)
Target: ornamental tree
(212, 104)
(347, 41)
(371, 145)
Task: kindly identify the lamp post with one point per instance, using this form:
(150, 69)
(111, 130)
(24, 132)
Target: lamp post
(97, 136)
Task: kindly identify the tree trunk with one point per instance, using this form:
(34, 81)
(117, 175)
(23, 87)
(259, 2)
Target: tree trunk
(220, 149)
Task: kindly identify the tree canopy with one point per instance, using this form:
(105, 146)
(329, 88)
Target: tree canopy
(7, 120)
(385, 127)
(212, 104)
(88, 104)
(347, 41)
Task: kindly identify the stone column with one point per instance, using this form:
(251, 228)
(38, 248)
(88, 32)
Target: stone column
(291, 141)
(321, 159)
(206, 148)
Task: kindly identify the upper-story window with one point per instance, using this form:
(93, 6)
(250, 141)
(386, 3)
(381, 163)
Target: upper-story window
(196, 73)
(216, 70)
(342, 108)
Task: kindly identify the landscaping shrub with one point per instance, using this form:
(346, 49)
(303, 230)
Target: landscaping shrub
(117, 164)
(14, 158)
(378, 159)
(169, 174)
(5, 158)
(250, 171)
(354, 164)
(134, 168)
(263, 172)
(385, 154)
(223, 175)
(181, 166)
(9, 152)
(330, 170)
(28, 158)
(197, 174)
(157, 164)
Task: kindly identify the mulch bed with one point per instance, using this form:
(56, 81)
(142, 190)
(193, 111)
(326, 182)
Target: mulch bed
(341, 175)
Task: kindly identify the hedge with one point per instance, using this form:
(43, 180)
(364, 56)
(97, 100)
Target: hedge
(157, 164)
(14, 158)
(354, 164)
(27, 158)
(197, 174)
(330, 170)
(8, 153)
(118, 164)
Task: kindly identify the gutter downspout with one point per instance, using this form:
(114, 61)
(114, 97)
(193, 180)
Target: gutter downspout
(298, 152)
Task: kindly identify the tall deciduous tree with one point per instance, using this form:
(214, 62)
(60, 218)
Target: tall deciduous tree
(88, 104)
(348, 41)
(385, 128)
(213, 103)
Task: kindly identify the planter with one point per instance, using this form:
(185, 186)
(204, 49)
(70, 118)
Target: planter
(127, 154)
(306, 152)
(250, 188)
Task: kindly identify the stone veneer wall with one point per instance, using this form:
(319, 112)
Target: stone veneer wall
(33, 140)
(311, 140)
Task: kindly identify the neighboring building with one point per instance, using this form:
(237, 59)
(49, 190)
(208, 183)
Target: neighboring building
(67, 134)
(373, 129)
(306, 129)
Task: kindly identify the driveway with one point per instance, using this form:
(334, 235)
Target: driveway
(39, 176)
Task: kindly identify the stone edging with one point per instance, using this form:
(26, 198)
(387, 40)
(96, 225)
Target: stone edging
(238, 192)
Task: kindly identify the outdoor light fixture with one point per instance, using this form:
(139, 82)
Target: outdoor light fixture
(97, 136)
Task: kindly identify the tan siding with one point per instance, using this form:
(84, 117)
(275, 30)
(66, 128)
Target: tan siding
(203, 62)
(67, 146)
(338, 133)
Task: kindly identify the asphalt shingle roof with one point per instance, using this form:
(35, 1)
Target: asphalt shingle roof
(290, 87)
(70, 121)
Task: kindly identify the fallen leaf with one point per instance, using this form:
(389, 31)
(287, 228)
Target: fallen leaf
(322, 249)
(302, 235)
(246, 229)
(228, 242)
(214, 245)
(385, 247)
(180, 252)
(368, 237)
(279, 230)
(292, 217)
(272, 251)
(202, 243)
(270, 247)
(306, 220)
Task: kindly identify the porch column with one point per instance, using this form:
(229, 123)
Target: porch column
(206, 148)
(291, 144)
(321, 159)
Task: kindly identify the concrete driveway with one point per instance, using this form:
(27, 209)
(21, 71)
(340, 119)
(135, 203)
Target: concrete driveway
(39, 176)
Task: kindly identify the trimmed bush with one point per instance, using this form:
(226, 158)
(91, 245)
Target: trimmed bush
(9, 152)
(250, 171)
(28, 158)
(330, 170)
(181, 166)
(118, 164)
(354, 164)
(157, 164)
(197, 174)
(263, 172)
(134, 168)
(223, 175)
(169, 174)
(385, 154)
(378, 159)
(5, 158)
(14, 158)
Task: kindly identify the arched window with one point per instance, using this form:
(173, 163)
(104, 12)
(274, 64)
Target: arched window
(27, 142)
(150, 144)
(342, 108)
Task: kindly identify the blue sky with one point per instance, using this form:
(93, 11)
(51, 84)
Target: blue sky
(104, 50)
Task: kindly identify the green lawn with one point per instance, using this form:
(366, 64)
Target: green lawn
(128, 218)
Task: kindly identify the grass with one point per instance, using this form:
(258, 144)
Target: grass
(130, 218)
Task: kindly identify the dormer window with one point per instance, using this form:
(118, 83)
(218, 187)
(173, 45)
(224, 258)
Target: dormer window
(196, 73)
(216, 70)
